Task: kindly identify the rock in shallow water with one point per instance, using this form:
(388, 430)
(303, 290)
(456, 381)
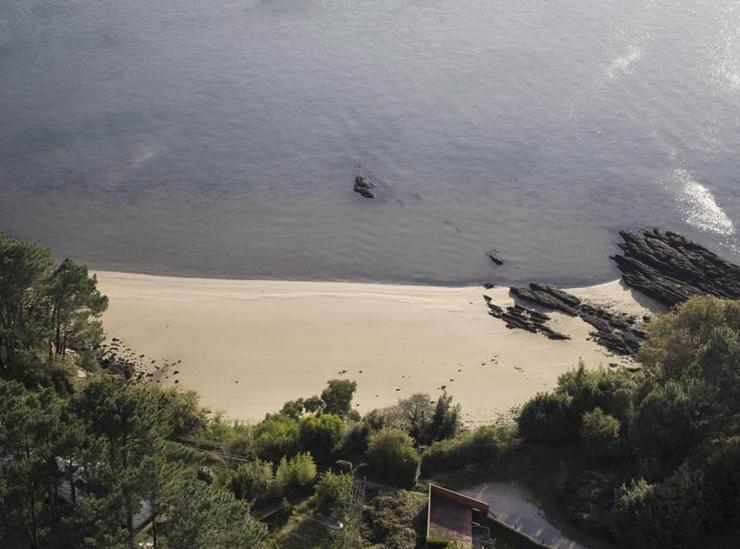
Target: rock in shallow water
(364, 187)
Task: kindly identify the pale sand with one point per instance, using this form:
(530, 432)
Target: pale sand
(284, 339)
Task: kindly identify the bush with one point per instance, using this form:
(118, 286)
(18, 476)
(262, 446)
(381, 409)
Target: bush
(600, 433)
(337, 397)
(320, 435)
(486, 443)
(183, 413)
(722, 483)
(391, 519)
(668, 514)
(253, 480)
(441, 543)
(275, 437)
(293, 408)
(677, 337)
(392, 458)
(663, 426)
(343, 466)
(333, 493)
(545, 419)
(296, 472)
(610, 390)
(355, 439)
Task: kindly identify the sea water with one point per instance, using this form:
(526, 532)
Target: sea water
(222, 137)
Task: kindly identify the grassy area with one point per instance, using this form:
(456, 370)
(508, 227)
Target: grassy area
(300, 531)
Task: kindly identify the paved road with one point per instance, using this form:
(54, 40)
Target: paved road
(514, 506)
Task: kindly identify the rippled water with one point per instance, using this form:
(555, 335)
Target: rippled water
(221, 138)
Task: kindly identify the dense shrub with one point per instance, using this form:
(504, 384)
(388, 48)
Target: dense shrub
(676, 338)
(293, 408)
(337, 397)
(663, 426)
(355, 438)
(545, 419)
(421, 417)
(333, 493)
(343, 466)
(441, 543)
(391, 519)
(485, 443)
(392, 458)
(321, 435)
(298, 471)
(610, 390)
(667, 514)
(722, 484)
(182, 411)
(276, 436)
(600, 433)
(253, 480)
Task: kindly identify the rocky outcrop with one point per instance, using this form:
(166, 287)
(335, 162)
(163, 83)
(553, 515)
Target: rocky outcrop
(549, 297)
(523, 318)
(670, 269)
(618, 332)
(364, 187)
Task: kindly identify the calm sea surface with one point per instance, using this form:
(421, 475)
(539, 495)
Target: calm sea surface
(222, 137)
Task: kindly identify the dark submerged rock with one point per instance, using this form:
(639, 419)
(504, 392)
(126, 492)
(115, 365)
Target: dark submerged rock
(495, 258)
(364, 187)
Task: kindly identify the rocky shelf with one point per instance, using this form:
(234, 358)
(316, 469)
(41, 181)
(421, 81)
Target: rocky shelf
(618, 332)
(523, 318)
(662, 265)
(670, 269)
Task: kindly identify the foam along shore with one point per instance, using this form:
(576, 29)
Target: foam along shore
(248, 346)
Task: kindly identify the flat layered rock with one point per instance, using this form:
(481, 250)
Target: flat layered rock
(671, 269)
(523, 318)
(618, 332)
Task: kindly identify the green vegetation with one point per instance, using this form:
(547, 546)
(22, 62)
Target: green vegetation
(392, 457)
(296, 472)
(484, 444)
(652, 457)
(645, 459)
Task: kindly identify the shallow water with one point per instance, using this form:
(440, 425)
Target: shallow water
(221, 138)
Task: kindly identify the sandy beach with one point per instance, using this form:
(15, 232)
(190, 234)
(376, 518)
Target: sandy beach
(247, 346)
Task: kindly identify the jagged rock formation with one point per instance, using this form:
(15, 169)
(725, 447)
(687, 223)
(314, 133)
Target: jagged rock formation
(122, 361)
(670, 269)
(523, 318)
(617, 332)
(549, 297)
(364, 187)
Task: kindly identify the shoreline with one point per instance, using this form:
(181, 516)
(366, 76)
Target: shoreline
(248, 346)
(565, 284)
